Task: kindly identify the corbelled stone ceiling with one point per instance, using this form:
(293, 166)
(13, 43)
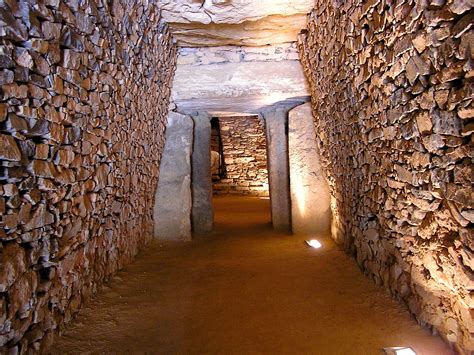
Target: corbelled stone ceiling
(235, 22)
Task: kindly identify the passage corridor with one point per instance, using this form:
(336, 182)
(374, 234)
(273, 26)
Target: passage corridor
(245, 289)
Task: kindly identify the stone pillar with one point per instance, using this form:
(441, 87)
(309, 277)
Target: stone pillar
(277, 156)
(309, 190)
(202, 213)
(172, 214)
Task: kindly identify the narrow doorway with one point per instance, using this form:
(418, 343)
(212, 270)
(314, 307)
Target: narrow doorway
(240, 164)
(239, 168)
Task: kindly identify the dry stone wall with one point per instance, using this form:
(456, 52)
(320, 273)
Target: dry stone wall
(83, 102)
(392, 90)
(244, 148)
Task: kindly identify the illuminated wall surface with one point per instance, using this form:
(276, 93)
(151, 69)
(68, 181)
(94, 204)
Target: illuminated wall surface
(309, 191)
(392, 97)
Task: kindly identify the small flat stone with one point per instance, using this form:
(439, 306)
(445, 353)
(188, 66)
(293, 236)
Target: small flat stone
(9, 149)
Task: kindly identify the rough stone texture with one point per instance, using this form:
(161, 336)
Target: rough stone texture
(83, 103)
(236, 22)
(173, 200)
(276, 120)
(309, 190)
(392, 97)
(237, 79)
(202, 213)
(237, 54)
(244, 147)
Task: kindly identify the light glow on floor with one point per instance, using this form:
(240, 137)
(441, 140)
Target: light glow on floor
(399, 351)
(314, 243)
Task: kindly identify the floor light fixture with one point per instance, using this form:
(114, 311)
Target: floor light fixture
(314, 243)
(399, 351)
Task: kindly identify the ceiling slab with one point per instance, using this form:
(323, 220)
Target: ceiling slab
(238, 87)
(235, 22)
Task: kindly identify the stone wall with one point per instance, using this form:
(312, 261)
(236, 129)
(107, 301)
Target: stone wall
(83, 103)
(392, 97)
(244, 147)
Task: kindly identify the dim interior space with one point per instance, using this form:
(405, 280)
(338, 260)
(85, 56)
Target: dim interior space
(237, 177)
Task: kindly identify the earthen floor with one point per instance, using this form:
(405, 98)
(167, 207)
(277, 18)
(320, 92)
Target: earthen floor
(244, 289)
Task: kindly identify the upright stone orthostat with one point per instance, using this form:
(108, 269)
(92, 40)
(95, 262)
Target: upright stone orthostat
(202, 213)
(278, 177)
(309, 190)
(226, 22)
(173, 201)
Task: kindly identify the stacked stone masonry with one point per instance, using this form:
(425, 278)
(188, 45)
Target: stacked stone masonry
(392, 92)
(244, 147)
(83, 103)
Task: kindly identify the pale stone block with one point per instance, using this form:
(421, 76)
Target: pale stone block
(310, 197)
(172, 214)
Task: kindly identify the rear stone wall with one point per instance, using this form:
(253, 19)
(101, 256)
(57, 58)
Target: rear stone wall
(244, 146)
(83, 103)
(392, 90)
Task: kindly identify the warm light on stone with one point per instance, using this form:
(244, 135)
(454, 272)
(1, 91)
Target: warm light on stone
(389, 87)
(309, 190)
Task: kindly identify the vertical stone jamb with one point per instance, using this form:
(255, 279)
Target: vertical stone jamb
(310, 197)
(202, 214)
(172, 214)
(278, 170)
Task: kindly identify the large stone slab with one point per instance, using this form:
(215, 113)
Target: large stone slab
(309, 190)
(202, 212)
(237, 87)
(278, 176)
(172, 213)
(224, 22)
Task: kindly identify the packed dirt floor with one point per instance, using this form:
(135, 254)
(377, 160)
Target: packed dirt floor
(244, 289)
